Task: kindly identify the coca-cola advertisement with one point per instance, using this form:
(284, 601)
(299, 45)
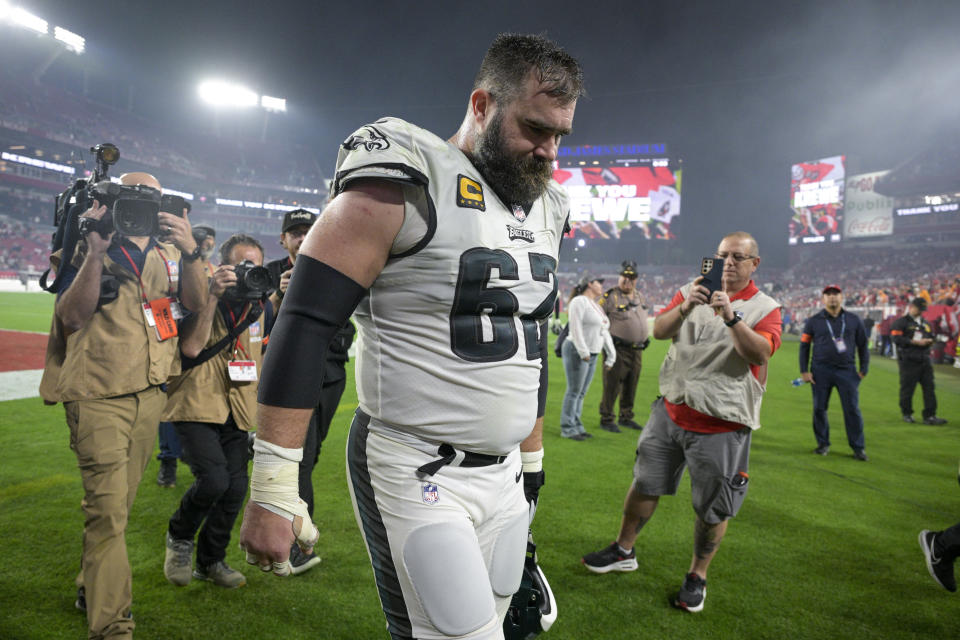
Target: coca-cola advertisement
(868, 214)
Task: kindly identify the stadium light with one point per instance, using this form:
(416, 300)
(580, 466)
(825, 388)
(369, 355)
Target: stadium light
(27, 20)
(5, 9)
(71, 40)
(273, 104)
(225, 94)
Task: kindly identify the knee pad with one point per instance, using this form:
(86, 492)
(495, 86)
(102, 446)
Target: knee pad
(506, 561)
(449, 577)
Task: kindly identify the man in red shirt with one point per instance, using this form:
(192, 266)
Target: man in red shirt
(711, 384)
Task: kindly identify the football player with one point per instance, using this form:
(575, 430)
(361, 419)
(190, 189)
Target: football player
(447, 250)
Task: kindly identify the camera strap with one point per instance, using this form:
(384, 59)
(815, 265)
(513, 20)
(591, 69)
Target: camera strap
(233, 334)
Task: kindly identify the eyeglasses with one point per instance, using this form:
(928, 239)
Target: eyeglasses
(737, 257)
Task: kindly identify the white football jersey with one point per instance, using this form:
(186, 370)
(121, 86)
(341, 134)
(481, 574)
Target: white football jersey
(448, 341)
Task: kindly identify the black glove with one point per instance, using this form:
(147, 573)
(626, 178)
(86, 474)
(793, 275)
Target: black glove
(532, 481)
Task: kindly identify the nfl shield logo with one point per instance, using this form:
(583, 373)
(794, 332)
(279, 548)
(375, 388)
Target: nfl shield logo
(431, 494)
(518, 212)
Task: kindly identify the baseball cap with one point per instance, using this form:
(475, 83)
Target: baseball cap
(207, 229)
(297, 217)
(832, 287)
(586, 279)
(628, 268)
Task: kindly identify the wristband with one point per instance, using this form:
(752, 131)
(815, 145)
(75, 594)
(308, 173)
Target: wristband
(531, 461)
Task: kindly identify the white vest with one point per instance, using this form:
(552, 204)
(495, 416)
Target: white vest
(448, 337)
(703, 369)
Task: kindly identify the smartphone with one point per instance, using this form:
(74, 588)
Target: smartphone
(712, 271)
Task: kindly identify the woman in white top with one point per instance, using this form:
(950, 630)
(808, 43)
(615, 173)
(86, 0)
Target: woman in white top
(589, 331)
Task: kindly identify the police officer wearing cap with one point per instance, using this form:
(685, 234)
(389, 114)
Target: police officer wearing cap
(913, 336)
(296, 224)
(627, 310)
(836, 335)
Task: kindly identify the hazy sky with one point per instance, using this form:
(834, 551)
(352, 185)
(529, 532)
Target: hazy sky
(739, 90)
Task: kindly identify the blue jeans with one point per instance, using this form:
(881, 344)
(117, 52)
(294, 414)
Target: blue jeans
(169, 442)
(579, 376)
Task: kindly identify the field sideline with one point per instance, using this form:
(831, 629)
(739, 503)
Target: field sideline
(824, 547)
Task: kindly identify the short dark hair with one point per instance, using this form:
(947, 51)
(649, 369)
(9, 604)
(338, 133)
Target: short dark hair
(511, 57)
(238, 239)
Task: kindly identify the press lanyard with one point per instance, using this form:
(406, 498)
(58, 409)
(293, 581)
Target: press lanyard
(133, 265)
(241, 370)
(236, 323)
(843, 326)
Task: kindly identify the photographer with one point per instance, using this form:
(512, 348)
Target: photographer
(212, 405)
(116, 306)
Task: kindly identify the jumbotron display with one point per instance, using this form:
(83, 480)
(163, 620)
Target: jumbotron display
(816, 201)
(620, 191)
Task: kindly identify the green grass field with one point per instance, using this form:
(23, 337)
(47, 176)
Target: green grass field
(823, 547)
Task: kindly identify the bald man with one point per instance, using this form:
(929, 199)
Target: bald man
(120, 298)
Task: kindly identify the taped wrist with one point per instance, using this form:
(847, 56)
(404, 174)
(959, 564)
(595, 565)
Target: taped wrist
(318, 302)
(532, 461)
(274, 486)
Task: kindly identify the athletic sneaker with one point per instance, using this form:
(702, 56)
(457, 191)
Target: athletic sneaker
(220, 574)
(822, 450)
(935, 420)
(167, 475)
(631, 424)
(860, 455)
(692, 594)
(610, 559)
(940, 568)
(300, 561)
(908, 417)
(177, 561)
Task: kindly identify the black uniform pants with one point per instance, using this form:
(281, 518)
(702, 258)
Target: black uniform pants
(316, 433)
(912, 371)
(217, 455)
(621, 380)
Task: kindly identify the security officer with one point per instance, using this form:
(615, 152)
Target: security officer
(913, 337)
(627, 311)
(836, 336)
(212, 405)
(296, 224)
(106, 359)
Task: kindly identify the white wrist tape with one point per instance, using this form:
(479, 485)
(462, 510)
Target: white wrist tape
(268, 452)
(531, 461)
(274, 486)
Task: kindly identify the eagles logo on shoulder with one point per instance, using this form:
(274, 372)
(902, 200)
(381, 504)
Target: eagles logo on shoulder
(369, 138)
(470, 193)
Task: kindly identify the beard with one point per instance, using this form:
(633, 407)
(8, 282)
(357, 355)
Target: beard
(516, 180)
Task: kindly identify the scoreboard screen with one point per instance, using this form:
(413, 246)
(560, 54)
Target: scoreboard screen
(617, 192)
(816, 201)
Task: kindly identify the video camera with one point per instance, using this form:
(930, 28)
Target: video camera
(253, 282)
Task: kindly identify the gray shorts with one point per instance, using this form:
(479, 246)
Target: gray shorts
(715, 461)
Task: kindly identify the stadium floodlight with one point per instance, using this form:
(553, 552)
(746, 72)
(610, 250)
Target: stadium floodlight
(226, 94)
(5, 9)
(273, 104)
(71, 40)
(27, 20)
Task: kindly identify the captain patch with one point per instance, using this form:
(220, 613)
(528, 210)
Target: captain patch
(470, 193)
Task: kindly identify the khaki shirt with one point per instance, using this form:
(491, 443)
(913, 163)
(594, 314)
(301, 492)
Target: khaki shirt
(116, 352)
(205, 393)
(627, 314)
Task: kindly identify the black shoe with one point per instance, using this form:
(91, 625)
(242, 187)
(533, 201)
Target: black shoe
(167, 475)
(822, 450)
(610, 559)
(610, 426)
(692, 594)
(81, 602)
(860, 455)
(940, 568)
(908, 417)
(630, 424)
(934, 420)
(586, 435)
(579, 437)
(300, 561)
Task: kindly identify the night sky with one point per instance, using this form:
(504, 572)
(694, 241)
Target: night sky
(738, 90)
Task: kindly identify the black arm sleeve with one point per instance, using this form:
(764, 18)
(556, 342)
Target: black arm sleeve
(542, 396)
(318, 302)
